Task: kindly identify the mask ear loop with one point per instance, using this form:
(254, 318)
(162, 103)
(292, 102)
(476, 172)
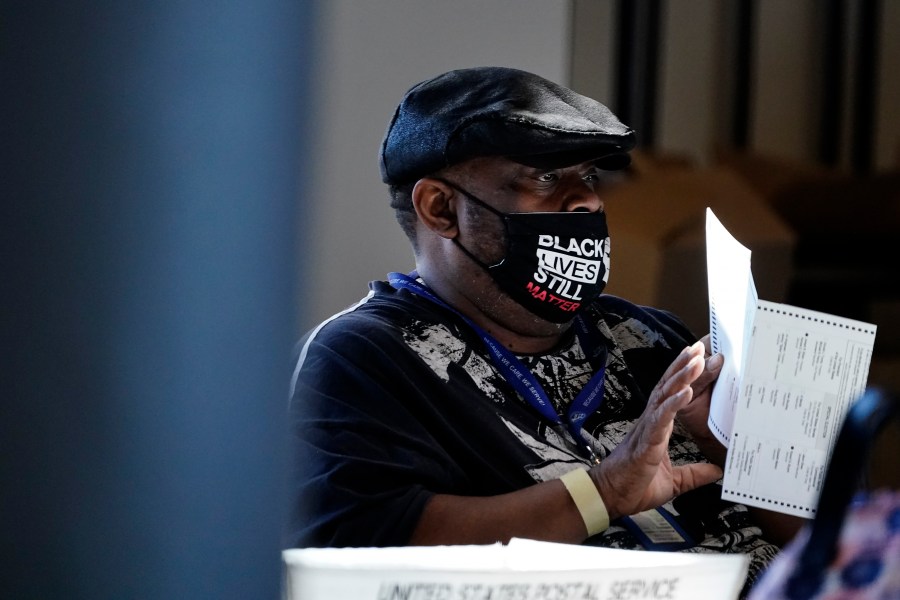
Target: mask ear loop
(471, 197)
(475, 259)
(483, 204)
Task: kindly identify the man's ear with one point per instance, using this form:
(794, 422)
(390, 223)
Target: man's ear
(435, 204)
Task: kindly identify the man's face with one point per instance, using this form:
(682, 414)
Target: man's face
(511, 187)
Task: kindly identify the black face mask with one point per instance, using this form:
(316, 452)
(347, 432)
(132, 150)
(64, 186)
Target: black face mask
(555, 262)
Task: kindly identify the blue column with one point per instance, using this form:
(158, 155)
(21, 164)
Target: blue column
(152, 164)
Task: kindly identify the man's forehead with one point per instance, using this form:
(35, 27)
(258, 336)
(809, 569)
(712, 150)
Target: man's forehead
(510, 165)
(587, 165)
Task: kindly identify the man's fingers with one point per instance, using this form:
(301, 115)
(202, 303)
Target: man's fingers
(711, 369)
(674, 395)
(714, 363)
(681, 360)
(681, 380)
(688, 477)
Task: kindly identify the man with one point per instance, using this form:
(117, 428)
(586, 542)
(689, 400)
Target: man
(495, 393)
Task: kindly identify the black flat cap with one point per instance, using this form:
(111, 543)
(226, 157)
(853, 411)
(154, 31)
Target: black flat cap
(497, 111)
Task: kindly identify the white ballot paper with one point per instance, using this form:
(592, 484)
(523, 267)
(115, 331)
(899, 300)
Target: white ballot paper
(521, 570)
(789, 378)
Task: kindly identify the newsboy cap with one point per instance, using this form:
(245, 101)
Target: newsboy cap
(498, 111)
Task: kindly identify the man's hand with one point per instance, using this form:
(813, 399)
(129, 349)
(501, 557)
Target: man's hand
(638, 474)
(695, 415)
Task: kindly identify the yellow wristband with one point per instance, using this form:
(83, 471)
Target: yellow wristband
(587, 499)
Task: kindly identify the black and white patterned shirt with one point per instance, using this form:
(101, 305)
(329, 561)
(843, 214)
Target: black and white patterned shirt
(396, 399)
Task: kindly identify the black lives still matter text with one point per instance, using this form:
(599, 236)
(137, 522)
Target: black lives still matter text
(564, 268)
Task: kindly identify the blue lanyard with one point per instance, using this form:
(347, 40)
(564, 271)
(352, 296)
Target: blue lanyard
(520, 377)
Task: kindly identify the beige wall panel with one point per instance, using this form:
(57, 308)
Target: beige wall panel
(370, 53)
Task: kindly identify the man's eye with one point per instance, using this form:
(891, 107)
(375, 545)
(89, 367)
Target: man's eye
(592, 177)
(547, 177)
